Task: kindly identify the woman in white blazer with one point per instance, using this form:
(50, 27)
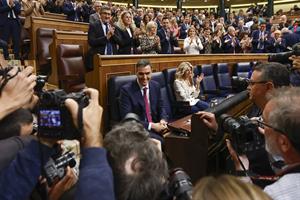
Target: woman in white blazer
(186, 90)
(192, 44)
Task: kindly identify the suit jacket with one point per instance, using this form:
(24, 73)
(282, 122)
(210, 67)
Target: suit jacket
(255, 42)
(183, 31)
(165, 43)
(229, 45)
(5, 9)
(291, 39)
(125, 42)
(93, 18)
(68, 9)
(30, 10)
(132, 101)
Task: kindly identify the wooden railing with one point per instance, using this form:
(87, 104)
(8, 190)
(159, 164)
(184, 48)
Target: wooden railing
(55, 16)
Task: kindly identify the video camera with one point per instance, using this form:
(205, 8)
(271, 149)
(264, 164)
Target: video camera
(55, 169)
(284, 57)
(179, 186)
(243, 132)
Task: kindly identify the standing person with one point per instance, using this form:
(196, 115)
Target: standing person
(192, 44)
(206, 40)
(167, 38)
(260, 39)
(95, 16)
(231, 43)
(143, 97)
(101, 36)
(217, 42)
(125, 39)
(10, 25)
(184, 28)
(31, 8)
(186, 90)
(150, 42)
(246, 42)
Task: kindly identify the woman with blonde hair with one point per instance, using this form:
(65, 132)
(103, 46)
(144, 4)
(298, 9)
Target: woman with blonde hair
(186, 90)
(192, 44)
(227, 187)
(125, 33)
(150, 42)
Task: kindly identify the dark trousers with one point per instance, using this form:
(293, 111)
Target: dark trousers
(3, 45)
(12, 29)
(199, 106)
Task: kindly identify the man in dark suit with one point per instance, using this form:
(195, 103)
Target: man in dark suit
(231, 43)
(260, 39)
(10, 24)
(184, 28)
(143, 97)
(95, 13)
(167, 39)
(101, 36)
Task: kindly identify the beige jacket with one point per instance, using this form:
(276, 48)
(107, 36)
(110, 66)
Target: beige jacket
(31, 8)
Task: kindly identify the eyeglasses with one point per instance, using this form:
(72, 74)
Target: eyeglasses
(262, 124)
(251, 83)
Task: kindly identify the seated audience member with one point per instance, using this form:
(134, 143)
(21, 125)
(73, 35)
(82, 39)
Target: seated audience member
(17, 123)
(31, 8)
(16, 92)
(140, 171)
(167, 38)
(227, 187)
(150, 42)
(192, 44)
(125, 31)
(184, 87)
(246, 42)
(143, 97)
(281, 131)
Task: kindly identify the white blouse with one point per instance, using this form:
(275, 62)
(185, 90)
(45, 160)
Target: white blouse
(185, 92)
(194, 47)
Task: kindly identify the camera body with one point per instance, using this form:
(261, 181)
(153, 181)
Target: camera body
(284, 57)
(179, 186)
(244, 133)
(55, 169)
(54, 119)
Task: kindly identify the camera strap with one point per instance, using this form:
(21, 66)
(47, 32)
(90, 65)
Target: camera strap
(80, 117)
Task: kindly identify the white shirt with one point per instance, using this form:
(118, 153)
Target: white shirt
(194, 47)
(185, 92)
(13, 12)
(104, 31)
(286, 188)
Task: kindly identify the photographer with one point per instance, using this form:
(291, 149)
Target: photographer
(264, 79)
(280, 127)
(19, 178)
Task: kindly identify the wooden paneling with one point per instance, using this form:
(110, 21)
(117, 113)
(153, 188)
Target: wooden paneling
(64, 37)
(62, 25)
(54, 16)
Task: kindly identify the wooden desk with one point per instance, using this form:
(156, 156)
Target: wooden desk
(55, 16)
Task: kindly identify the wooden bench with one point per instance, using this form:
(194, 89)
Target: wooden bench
(108, 66)
(64, 37)
(62, 25)
(55, 16)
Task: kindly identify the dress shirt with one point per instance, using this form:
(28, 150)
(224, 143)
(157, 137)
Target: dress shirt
(104, 31)
(12, 11)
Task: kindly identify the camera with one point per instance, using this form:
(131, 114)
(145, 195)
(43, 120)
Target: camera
(239, 84)
(284, 57)
(243, 132)
(54, 119)
(179, 186)
(55, 169)
(40, 83)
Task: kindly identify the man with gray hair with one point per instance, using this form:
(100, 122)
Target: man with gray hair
(96, 12)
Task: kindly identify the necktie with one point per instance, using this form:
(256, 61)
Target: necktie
(148, 115)
(108, 44)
